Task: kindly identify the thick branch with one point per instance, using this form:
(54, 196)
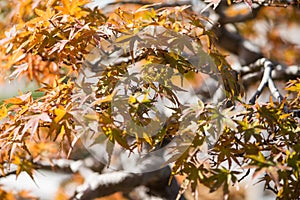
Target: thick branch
(252, 73)
(99, 185)
(115, 4)
(278, 3)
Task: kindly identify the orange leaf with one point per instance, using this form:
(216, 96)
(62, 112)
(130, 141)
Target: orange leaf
(44, 15)
(18, 100)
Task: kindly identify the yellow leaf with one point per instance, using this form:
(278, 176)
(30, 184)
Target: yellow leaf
(45, 15)
(62, 130)
(91, 117)
(147, 138)
(124, 38)
(72, 7)
(107, 98)
(3, 112)
(59, 114)
(132, 99)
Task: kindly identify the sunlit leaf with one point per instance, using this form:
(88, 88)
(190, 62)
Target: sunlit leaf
(18, 100)
(59, 114)
(3, 112)
(34, 122)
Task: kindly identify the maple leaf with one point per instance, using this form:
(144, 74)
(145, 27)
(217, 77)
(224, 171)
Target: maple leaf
(3, 112)
(34, 121)
(19, 99)
(72, 7)
(59, 46)
(19, 69)
(9, 35)
(45, 15)
(23, 165)
(248, 3)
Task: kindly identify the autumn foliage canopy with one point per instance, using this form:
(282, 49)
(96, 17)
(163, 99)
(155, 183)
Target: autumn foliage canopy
(79, 57)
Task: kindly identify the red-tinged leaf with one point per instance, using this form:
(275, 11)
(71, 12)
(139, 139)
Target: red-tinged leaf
(248, 3)
(33, 123)
(73, 34)
(9, 35)
(19, 69)
(25, 97)
(273, 173)
(59, 46)
(18, 56)
(12, 151)
(15, 131)
(258, 172)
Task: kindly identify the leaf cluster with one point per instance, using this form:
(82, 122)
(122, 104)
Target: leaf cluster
(54, 46)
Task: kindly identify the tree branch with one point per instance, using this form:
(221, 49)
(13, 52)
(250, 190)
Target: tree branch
(250, 75)
(268, 67)
(100, 185)
(267, 80)
(278, 3)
